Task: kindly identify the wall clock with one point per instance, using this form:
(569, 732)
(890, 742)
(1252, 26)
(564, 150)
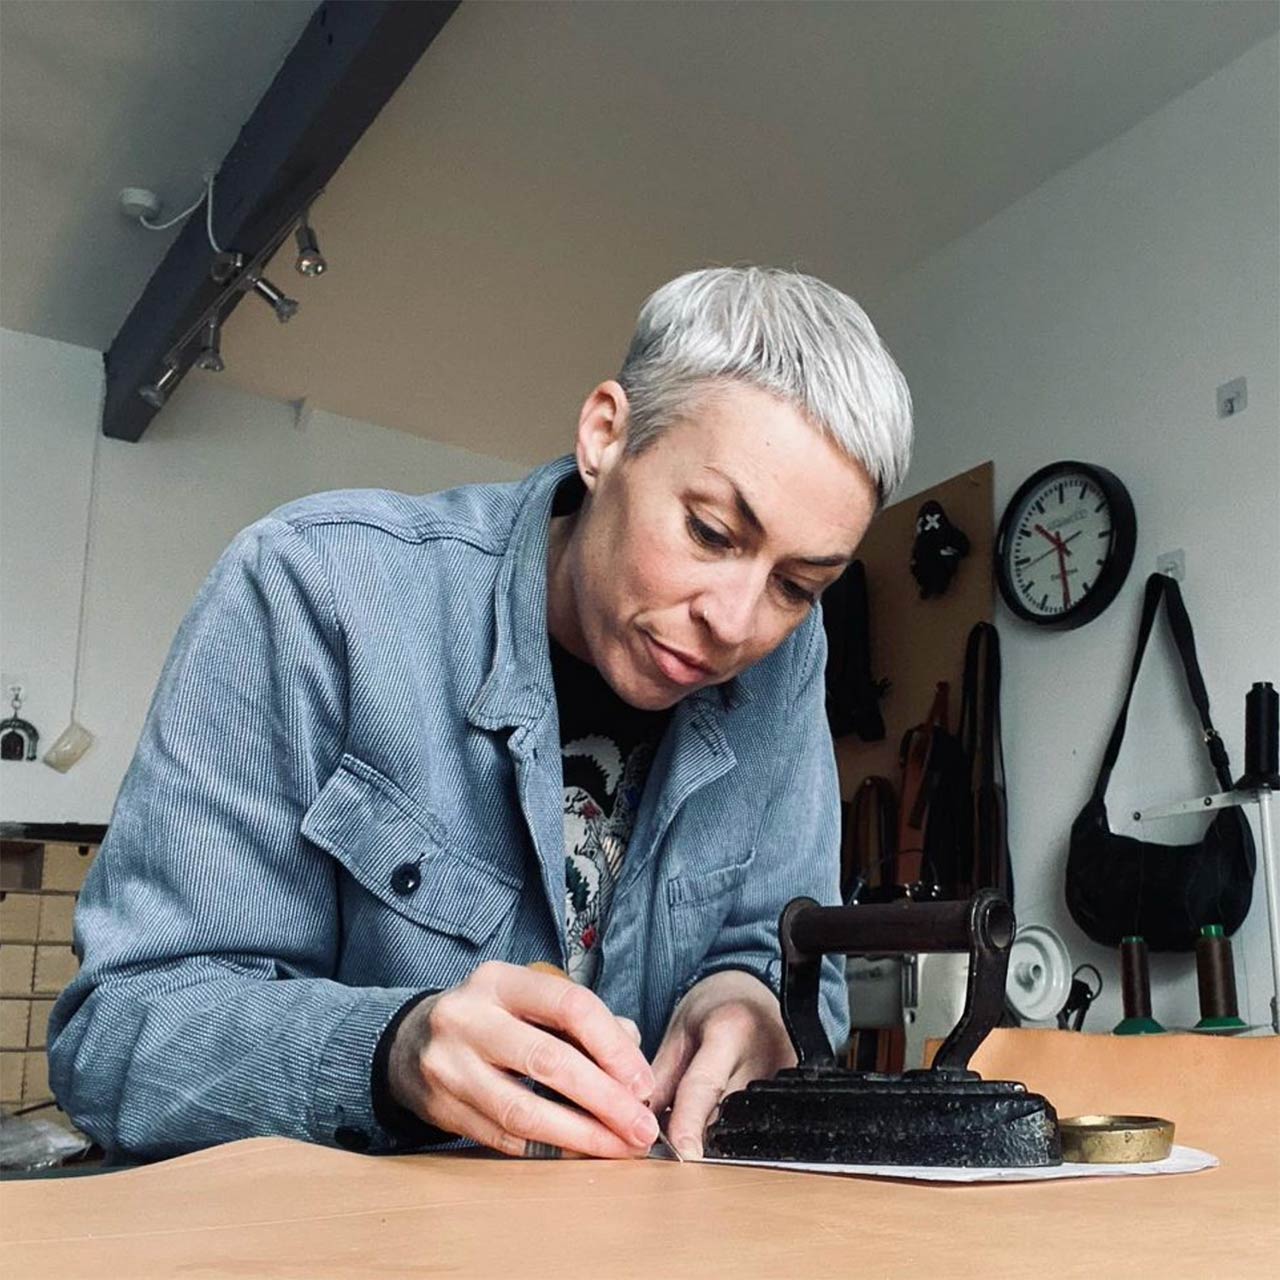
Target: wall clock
(1065, 544)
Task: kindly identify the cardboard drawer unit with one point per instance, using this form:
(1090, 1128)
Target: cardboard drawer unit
(38, 894)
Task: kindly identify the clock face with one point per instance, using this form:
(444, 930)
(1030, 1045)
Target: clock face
(1065, 544)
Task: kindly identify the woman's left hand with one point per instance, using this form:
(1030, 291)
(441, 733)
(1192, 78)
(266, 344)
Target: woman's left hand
(727, 1031)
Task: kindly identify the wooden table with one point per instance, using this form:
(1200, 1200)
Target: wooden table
(275, 1208)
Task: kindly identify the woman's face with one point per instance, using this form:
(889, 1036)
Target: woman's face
(697, 557)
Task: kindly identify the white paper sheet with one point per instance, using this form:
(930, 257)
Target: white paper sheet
(1179, 1160)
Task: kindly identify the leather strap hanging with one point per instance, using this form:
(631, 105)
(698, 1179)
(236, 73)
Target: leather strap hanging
(986, 855)
(869, 840)
(923, 763)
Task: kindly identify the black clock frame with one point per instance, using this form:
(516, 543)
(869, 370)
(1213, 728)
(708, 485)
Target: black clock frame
(1120, 551)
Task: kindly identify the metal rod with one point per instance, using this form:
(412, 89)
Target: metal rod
(1273, 901)
(1201, 804)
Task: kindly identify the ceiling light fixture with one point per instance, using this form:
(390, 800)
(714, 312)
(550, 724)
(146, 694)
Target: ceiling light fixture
(233, 275)
(210, 356)
(226, 266)
(311, 262)
(284, 306)
(157, 392)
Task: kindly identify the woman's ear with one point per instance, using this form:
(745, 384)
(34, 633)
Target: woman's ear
(602, 432)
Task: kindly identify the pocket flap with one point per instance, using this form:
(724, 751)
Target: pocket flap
(374, 830)
(705, 887)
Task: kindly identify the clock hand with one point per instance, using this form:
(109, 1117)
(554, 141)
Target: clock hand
(1054, 548)
(1063, 553)
(1057, 541)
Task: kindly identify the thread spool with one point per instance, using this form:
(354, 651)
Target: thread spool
(1261, 736)
(1216, 977)
(1135, 986)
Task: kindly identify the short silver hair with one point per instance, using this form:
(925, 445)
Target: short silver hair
(786, 333)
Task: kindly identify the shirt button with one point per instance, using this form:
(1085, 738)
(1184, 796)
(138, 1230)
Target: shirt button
(350, 1138)
(406, 878)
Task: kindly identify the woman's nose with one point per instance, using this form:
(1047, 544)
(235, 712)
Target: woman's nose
(730, 604)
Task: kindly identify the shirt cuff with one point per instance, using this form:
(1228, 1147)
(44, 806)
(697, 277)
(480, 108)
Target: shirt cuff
(405, 1128)
(343, 1107)
(767, 970)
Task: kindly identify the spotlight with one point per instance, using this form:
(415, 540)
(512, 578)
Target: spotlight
(210, 356)
(225, 265)
(311, 261)
(157, 392)
(285, 307)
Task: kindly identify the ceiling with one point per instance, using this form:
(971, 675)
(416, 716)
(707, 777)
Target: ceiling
(96, 95)
(545, 165)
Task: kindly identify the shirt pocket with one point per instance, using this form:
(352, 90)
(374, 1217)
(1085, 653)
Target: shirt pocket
(699, 903)
(399, 852)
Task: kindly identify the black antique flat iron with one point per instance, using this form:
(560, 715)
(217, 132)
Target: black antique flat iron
(945, 1114)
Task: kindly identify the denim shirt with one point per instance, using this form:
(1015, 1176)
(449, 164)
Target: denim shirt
(348, 790)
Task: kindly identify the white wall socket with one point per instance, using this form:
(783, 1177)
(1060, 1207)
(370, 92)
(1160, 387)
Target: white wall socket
(1233, 398)
(1173, 564)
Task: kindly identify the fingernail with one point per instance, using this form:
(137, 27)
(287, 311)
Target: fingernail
(686, 1147)
(645, 1130)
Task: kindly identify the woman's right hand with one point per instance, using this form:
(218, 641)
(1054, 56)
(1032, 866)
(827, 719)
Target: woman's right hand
(456, 1055)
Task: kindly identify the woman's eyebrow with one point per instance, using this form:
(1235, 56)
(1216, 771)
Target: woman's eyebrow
(824, 562)
(744, 508)
(747, 512)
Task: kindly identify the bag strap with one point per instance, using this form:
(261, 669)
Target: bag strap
(1160, 586)
(979, 727)
(871, 844)
(982, 740)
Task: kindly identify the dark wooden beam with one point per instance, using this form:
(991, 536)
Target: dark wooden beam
(347, 63)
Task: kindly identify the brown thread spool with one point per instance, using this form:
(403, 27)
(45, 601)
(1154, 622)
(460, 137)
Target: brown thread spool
(1216, 977)
(1135, 986)
(1136, 977)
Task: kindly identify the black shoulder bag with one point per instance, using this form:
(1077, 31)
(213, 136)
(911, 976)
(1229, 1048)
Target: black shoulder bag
(1118, 886)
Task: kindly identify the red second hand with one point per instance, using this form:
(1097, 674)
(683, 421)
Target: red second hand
(1063, 552)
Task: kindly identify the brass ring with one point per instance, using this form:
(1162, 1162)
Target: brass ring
(1115, 1139)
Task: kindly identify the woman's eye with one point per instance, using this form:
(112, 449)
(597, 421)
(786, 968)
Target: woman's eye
(796, 593)
(705, 534)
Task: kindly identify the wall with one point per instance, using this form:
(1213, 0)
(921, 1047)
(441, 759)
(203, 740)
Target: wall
(1094, 319)
(214, 461)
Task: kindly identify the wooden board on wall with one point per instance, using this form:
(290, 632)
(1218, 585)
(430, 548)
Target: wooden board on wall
(915, 643)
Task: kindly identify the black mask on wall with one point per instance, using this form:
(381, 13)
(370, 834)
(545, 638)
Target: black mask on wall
(937, 551)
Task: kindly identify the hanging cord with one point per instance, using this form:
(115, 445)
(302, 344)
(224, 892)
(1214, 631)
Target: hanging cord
(206, 199)
(1080, 997)
(84, 572)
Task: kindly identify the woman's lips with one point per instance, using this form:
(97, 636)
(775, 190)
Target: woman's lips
(674, 665)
